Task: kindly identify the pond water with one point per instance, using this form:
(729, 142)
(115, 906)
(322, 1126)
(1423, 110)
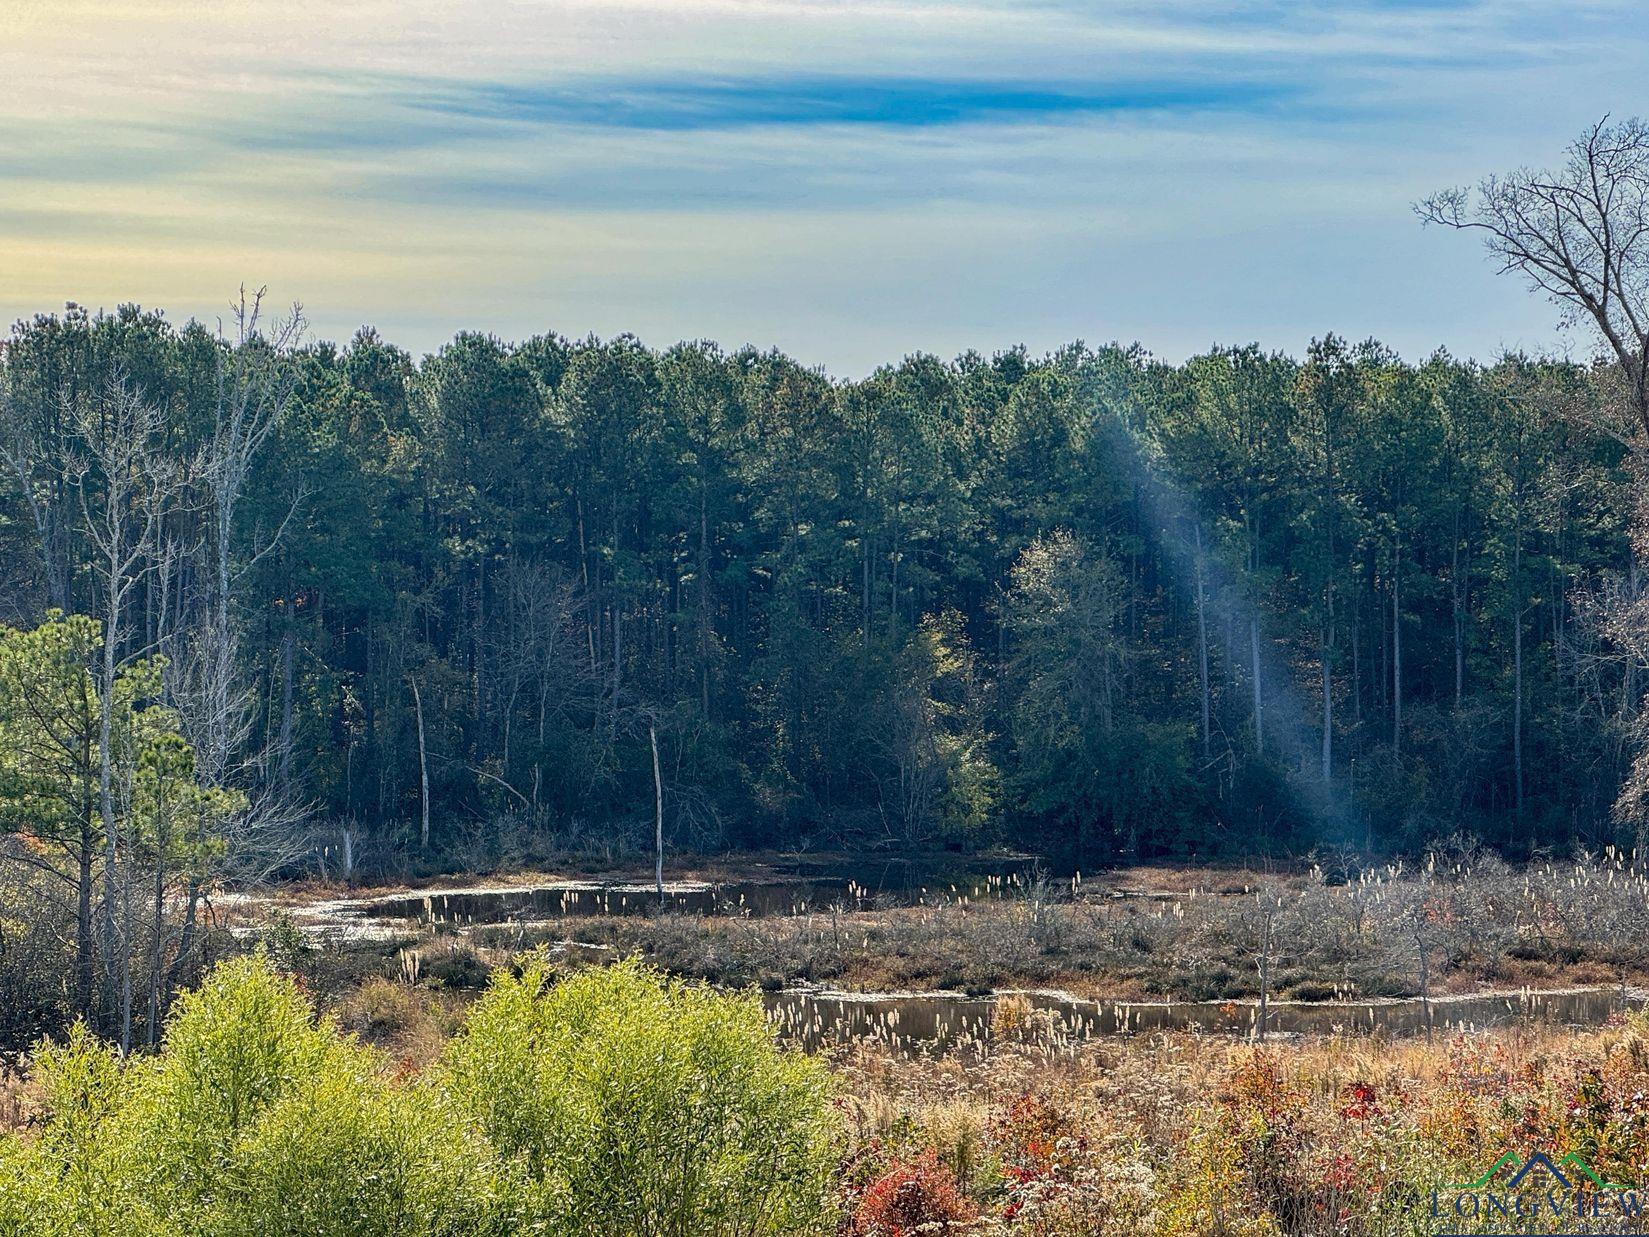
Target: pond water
(941, 1020)
(804, 887)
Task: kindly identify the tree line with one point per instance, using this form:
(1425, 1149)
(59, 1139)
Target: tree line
(1089, 601)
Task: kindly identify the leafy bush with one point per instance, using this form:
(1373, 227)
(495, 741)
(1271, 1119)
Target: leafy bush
(617, 1102)
(253, 1119)
(631, 1103)
(53, 1184)
(353, 1156)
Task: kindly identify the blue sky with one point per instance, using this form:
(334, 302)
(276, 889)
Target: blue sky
(850, 180)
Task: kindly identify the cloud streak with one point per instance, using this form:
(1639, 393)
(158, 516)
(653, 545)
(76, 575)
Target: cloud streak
(686, 105)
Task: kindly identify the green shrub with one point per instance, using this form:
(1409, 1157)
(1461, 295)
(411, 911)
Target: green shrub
(252, 1119)
(354, 1157)
(618, 1102)
(68, 1180)
(630, 1103)
(234, 1047)
(30, 1200)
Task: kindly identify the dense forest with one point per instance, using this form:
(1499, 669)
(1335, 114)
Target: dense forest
(1090, 601)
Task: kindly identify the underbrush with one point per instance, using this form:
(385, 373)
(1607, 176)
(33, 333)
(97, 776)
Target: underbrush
(1185, 1135)
(614, 1100)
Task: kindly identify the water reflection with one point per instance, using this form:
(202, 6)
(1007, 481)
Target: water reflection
(939, 1020)
(805, 888)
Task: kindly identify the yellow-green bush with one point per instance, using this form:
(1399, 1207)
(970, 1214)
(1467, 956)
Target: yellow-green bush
(631, 1103)
(616, 1103)
(253, 1119)
(354, 1155)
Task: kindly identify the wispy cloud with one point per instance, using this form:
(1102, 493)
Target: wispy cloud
(914, 102)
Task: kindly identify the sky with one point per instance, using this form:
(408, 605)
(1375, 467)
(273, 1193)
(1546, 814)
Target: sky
(848, 180)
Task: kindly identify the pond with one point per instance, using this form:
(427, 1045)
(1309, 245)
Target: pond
(792, 889)
(943, 1020)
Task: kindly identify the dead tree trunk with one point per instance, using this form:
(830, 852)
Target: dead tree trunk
(423, 767)
(1202, 648)
(658, 813)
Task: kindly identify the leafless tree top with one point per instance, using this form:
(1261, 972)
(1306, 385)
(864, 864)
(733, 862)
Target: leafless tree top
(1580, 234)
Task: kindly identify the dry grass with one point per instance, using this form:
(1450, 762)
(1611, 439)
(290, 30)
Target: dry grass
(20, 1097)
(1179, 934)
(1189, 1134)
(410, 1023)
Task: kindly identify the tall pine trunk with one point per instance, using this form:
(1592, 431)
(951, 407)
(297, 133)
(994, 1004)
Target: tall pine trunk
(1397, 650)
(423, 768)
(1259, 704)
(1202, 647)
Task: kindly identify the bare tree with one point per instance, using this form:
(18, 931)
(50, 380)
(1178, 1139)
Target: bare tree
(255, 387)
(543, 664)
(1580, 234)
(1202, 644)
(126, 486)
(908, 741)
(658, 812)
(423, 766)
(1268, 911)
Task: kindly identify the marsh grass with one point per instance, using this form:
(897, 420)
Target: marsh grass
(1454, 923)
